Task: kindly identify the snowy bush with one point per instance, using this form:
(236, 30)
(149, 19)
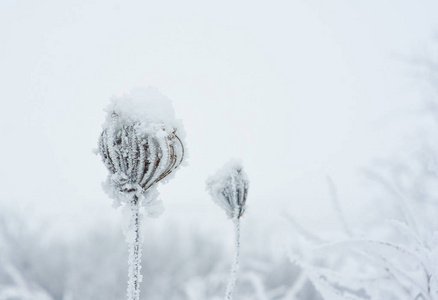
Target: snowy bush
(82, 268)
(396, 255)
(140, 145)
(401, 262)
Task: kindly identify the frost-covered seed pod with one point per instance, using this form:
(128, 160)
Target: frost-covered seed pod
(229, 189)
(136, 160)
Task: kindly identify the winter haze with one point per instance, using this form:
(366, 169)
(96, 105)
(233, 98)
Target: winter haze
(298, 90)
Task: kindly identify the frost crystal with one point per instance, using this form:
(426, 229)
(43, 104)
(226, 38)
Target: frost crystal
(229, 189)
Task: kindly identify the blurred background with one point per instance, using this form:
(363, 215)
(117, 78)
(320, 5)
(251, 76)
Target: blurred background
(301, 91)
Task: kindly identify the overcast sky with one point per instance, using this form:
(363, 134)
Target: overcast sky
(297, 89)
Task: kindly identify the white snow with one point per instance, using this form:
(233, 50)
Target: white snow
(149, 107)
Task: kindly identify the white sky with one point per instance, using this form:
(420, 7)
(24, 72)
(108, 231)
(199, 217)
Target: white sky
(297, 89)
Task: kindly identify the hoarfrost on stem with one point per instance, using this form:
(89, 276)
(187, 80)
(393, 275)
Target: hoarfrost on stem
(141, 144)
(235, 266)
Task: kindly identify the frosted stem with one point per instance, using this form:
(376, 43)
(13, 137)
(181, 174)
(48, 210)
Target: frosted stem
(134, 276)
(235, 266)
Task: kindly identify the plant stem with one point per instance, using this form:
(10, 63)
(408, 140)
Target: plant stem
(134, 276)
(235, 266)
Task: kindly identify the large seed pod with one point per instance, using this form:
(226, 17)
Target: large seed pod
(138, 158)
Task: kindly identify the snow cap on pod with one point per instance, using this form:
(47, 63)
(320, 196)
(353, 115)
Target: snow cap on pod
(229, 188)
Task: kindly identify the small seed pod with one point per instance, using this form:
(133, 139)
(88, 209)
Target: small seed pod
(229, 189)
(137, 160)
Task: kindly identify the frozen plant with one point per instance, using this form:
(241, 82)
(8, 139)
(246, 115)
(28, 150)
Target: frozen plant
(140, 145)
(229, 189)
(401, 263)
(397, 259)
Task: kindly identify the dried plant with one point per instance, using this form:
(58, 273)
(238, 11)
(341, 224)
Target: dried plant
(138, 153)
(229, 189)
